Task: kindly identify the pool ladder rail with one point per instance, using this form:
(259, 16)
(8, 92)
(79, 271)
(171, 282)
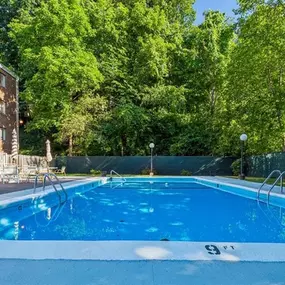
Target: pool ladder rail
(278, 179)
(120, 176)
(49, 176)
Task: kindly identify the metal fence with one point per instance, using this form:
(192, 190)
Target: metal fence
(163, 165)
(6, 159)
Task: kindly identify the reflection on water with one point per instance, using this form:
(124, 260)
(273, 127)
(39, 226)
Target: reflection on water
(50, 215)
(16, 230)
(147, 211)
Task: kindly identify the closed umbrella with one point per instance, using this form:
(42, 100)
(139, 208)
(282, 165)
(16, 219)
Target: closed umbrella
(48, 152)
(14, 153)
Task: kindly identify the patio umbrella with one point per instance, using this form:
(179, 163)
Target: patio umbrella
(14, 153)
(48, 153)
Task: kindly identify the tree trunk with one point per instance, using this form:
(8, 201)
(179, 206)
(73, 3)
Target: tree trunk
(212, 100)
(70, 146)
(124, 144)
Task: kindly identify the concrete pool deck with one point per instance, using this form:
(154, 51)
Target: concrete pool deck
(63, 272)
(238, 182)
(144, 269)
(21, 191)
(15, 187)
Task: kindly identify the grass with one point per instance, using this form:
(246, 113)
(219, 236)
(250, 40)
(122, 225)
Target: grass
(73, 174)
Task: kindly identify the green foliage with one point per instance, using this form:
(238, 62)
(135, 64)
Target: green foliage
(56, 64)
(185, 172)
(254, 102)
(147, 171)
(236, 167)
(61, 161)
(95, 172)
(107, 77)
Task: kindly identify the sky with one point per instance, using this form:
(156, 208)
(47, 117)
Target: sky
(225, 6)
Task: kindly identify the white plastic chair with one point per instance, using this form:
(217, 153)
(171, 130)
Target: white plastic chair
(10, 173)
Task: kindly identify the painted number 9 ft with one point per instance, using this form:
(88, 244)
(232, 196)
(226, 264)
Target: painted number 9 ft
(212, 249)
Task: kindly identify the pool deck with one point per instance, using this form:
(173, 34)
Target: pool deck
(243, 183)
(15, 187)
(63, 272)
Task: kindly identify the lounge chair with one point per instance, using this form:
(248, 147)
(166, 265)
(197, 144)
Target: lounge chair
(61, 170)
(28, 172)
(10, 173)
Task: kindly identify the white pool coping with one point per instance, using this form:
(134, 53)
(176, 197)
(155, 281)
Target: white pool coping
(142, 250)
(18, 196)
(276, 199)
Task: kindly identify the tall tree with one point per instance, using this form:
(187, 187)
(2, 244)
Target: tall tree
(202, 69)
(134, 44)
(56, 64)
(10, 9)
(255, 97)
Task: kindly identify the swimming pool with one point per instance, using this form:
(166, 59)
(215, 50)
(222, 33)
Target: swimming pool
(146, 209)
(157, 231)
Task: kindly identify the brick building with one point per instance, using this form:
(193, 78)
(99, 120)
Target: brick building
(9, 110)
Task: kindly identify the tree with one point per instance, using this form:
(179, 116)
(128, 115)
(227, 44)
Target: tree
(134, 44)
(79, 123)
(202, 69)
(255, 90)
(56, 64)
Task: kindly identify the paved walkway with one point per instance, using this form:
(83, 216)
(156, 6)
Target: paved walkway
(68, 272)
(15, 187)
(233, 181)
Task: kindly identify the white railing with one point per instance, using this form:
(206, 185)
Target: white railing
(120, 176)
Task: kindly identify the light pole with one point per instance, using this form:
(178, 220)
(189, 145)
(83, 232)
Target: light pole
(243, 138)
(151, 146)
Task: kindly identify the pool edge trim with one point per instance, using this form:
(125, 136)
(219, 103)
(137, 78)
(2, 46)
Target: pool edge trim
(142, 250)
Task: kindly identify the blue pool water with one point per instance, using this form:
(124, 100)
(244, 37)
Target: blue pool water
(144, 210)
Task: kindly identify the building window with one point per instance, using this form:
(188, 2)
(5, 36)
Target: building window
(2, 80)
(2, 107)
(2, 134)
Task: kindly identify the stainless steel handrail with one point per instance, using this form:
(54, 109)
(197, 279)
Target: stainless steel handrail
(280, 178)
(48, 176)
(113, 171)
(268, 177)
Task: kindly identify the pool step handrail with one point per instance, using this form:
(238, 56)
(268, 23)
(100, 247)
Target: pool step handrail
(48, 176)
(268, 177)
(114, 172)
(280, 178)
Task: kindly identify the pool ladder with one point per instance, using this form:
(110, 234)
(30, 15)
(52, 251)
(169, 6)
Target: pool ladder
(120, 176)
(49, 176)
(278, 179)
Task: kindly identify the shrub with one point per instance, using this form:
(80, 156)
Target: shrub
(235, 166)
(146, 171)
(60, 161)
(95, 172)
(185, 172)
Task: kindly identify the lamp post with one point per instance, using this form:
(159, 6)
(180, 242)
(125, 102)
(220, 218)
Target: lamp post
(151, 146)
(243, 138)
